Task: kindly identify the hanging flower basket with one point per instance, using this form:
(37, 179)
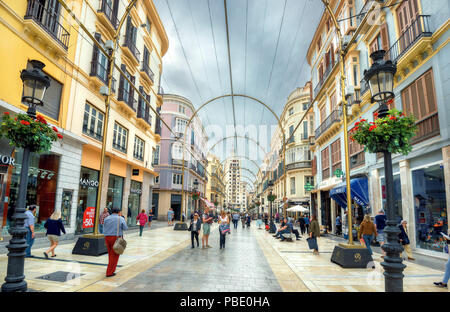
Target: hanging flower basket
(271, 198)
(196, 196)
(391, 133)
(258, 203)
(24, 131)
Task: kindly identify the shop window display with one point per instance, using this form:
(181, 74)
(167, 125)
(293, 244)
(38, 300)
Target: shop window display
(87, 197)
(41, 189)
(115, 192)
(134, 202)
(430, 207)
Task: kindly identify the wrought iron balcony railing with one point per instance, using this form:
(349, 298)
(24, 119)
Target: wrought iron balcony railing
(335, 116)
(132, 46)
(125, 96)
(419, 28)
(148, 71)
(144, 113)
(108, 11)
(324, 77)
(49, 20)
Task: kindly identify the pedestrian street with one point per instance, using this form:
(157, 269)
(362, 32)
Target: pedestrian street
(253, 261)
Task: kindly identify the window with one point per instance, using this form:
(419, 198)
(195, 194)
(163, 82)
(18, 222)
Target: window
(293, 186)
(323, 113)
(291, 130)
(120, 138)
(182, 109)
(177, 151)
(419, 99)
(155, 158)
(291, 111)
(336, 155)
(177, 178)
(305, 130)
(325, 163)
(99, 64)
(138, 152)
(52, 98)
(333, 104)
(156, 179)
(148, 26)
(309, 179)
(126, 93)
(356, 153)
(180, 125)
(305, 106)
(93, 122)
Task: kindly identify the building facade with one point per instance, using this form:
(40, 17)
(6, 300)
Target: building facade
(414, 34)
(67, 177)
(176, 112)
(215, 189)
(235, 193)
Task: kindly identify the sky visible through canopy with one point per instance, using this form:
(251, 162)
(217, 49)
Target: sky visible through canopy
(269, 40)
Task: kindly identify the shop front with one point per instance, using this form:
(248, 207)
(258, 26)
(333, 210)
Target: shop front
(397, 197)
(115, 192)
(430, 207)
(41, 188)
(134, 203)
(87, 197)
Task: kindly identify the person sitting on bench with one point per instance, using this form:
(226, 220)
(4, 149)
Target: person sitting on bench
(297, 234)
(285, 229)
(283, 225)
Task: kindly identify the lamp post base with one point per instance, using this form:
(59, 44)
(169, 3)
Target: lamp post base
(352, 256)
(180, 226)
(272, 227)
(90, 245)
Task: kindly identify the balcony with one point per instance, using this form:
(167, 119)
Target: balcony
(364, 87)
(333, 118)
(129, 47)
(125, 97)
(144, 114)
(148, 72)
(299, 165)
(324, 78)
(418, 29)
(100, 71)
(106, 15)
(179, 162)
(47, 20)
(362, 14)
(427, 127)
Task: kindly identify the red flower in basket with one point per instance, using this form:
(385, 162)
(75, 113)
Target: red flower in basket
(55, 129)
(24, 122)
(6, 113)
(393, 118)
(375, 114)
(59, 136)
(372, 127)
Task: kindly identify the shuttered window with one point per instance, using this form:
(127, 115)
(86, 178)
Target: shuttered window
(323, 113)
(419, 99)
(325, 163)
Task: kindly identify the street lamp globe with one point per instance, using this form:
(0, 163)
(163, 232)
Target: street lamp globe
(380, 77)
(35, 83)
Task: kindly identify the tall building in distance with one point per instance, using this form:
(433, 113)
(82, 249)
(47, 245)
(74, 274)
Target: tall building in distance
(215, 190)
(234, 188)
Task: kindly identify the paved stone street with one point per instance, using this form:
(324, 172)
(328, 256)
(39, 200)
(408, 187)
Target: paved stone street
(241, 266)
(162, 260)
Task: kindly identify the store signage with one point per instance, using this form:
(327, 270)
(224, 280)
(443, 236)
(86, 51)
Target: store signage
(7, 160)
(338, 173)
(136, 191)
(135, 172)
(89, 183)
(88, 217)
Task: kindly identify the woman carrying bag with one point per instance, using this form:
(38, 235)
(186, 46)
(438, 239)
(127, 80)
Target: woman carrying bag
(314, 232)
(141, 220)
(113, 228)
(224, 228)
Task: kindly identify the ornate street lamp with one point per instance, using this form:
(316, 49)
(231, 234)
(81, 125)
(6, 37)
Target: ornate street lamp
(195, 191)
(35, 83)
(380, 77)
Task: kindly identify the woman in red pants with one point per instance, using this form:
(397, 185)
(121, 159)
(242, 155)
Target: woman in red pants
(113, 227)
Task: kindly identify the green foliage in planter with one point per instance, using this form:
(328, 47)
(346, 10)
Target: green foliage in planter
(391, 133)
(271, 198)
(195, 196)
(24, 131)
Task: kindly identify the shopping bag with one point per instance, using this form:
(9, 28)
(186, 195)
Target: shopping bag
(312, 243)
(224, 228)
(361, 240)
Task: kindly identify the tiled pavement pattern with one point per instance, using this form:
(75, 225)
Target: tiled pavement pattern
(253, 260)
(241, 266)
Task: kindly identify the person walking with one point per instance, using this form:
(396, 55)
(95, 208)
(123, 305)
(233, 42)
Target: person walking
(235, 220)
(446, 277)
(224, 228)
(404, 239)
(150, 218)
(380, 222)
(338, 225)
(277, 217)
(243, 220)
(301, 222)
(314, 232)
(101, 220)
(194, 228)
(367, 231)
(170, 214)
(142, 219)
(207, 221)
(307, 223)
(113, 228)
(29, 225)
(54, 226)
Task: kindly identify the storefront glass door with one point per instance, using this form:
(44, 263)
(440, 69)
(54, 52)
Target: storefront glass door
(134, 203)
